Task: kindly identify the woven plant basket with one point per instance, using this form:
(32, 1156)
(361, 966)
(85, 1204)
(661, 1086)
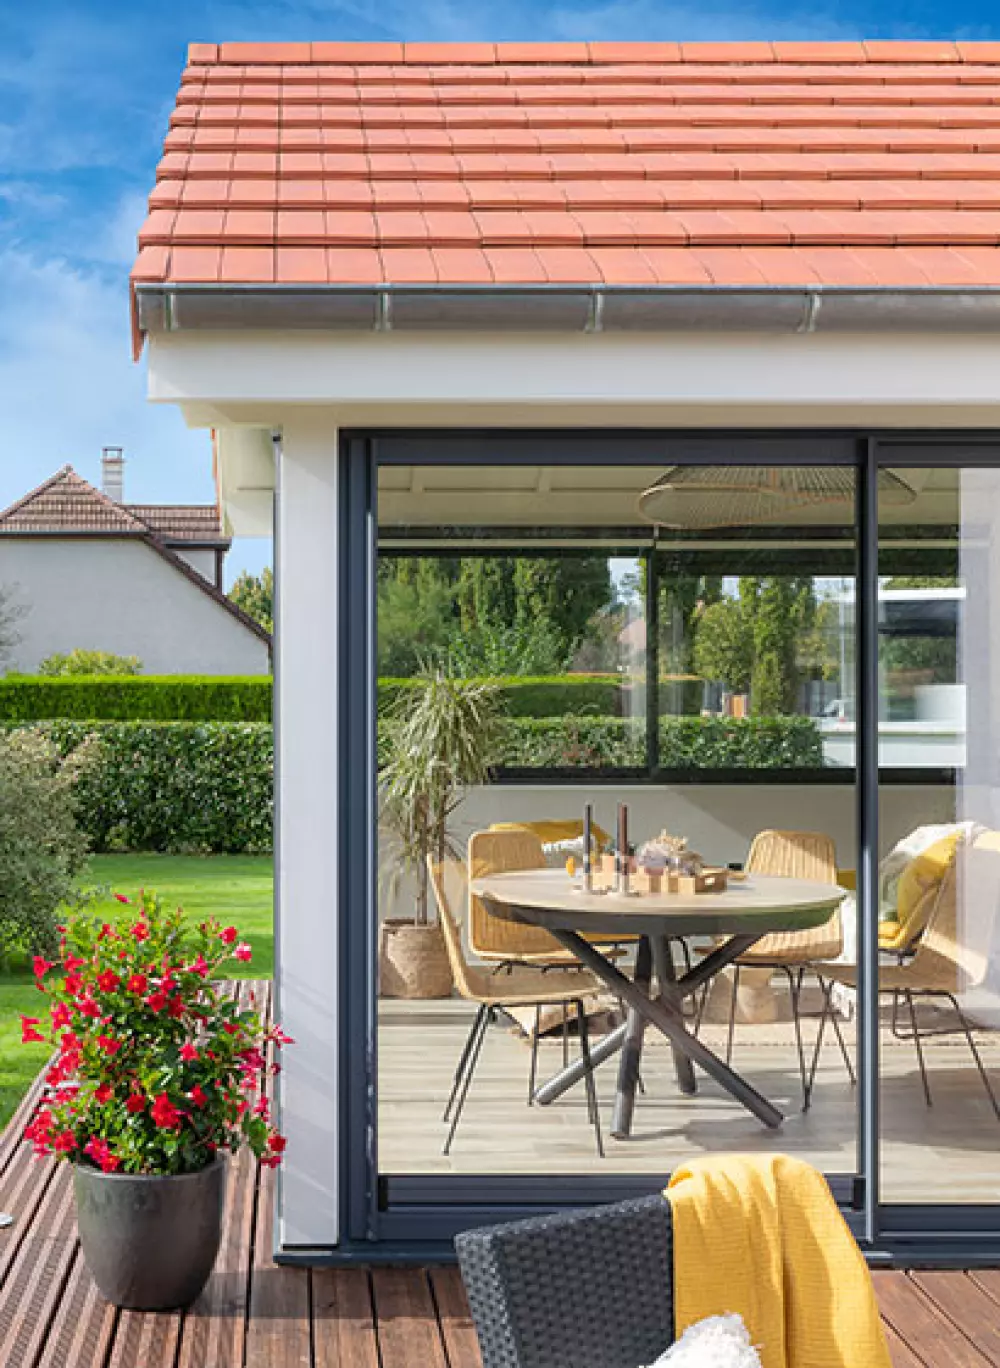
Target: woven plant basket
(412, 961)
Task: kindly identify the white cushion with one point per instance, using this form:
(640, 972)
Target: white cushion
(719, 1342)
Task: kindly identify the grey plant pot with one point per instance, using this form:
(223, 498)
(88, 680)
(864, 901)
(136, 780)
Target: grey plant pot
(150, 1241)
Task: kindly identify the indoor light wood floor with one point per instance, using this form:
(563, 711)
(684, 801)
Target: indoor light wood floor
(949, 1151)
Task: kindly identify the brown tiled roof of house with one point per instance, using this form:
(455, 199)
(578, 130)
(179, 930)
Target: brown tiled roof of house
(183, 522)
(67, 503)
(650, 164)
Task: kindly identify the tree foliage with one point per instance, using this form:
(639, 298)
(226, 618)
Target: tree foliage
(255, 595)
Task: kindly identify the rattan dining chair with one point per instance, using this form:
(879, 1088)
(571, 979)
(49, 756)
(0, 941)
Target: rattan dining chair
(520, 987)
(943, 965)
(794, 855)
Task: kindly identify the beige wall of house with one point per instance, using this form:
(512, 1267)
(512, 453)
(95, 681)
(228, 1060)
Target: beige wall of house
(120, 596)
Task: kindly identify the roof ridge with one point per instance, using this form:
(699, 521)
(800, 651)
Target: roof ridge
(589, 53)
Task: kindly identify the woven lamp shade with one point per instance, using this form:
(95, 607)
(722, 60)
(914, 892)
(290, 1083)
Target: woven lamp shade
(745, 495)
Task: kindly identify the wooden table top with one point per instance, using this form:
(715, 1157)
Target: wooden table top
(753, 905)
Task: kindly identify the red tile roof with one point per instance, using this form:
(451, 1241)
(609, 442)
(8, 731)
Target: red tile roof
(872, 164)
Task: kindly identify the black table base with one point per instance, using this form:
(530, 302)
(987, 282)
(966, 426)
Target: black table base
(665, 1013)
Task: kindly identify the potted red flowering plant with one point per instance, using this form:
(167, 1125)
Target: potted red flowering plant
(158, 1075)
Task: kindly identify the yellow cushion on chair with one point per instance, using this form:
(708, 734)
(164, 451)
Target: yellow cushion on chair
(918, 888)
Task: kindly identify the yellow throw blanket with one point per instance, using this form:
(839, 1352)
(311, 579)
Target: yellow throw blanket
(761, 1236)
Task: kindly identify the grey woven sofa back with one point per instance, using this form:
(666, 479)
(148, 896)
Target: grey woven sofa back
(579, 1289)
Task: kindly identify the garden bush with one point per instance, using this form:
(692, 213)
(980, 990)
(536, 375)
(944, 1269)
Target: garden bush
(42, 846)
(163, 698)
(174, 786)
(541, 696)
(83, 662)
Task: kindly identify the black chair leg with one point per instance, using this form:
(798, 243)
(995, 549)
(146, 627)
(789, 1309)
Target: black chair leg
(732, 1014)
(565, 1036)
(919, 1047)
(975, 1054)
(826, 989)
(795, 993)
(700, 1012)
(463, 1091)
(844, 1050)
(533, 1071)
(591, 1086)
(463, 1060)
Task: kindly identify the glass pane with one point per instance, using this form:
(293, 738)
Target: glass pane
(939, 601)
(553, 632)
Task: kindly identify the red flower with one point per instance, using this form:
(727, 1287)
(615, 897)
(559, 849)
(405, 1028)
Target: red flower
(229, 936)
(40, 966)
(140, 931)
(231, 1027)
(72, 963)
(198, 1095)
(277, 1144)
(188, 1052)
(120, 897)
(61, 1016)
(135, 1103)
(64, 1142)
(108, 1044)
(73, 984)
(243, 952)
(200, 966)
(104, 1093)
(108, 981)
(262, 1108)
(175, 1008)
(88, 1007)
(107, 932)
(100, 1152)
(279, 1037)
(29, 1033)
(157, 1001)
(137, 983)
(164, 1113)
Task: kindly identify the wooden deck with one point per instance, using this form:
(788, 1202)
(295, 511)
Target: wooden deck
(256, 1315)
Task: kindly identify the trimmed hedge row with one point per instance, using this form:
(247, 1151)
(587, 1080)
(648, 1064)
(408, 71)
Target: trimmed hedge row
(212, 698)
(127, 698)
(175, 786)
(207, 786)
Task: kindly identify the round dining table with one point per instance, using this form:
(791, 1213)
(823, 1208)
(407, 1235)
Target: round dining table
(735, 918)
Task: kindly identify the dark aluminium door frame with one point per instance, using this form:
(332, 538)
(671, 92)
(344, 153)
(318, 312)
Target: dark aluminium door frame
(415, 1218)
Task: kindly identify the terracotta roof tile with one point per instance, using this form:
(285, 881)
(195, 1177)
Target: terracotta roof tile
(648, 163)
(67, 503)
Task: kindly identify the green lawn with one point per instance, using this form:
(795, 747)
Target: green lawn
(234, 888)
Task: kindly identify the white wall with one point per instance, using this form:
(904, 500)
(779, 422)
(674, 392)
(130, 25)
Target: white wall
(200, 558)
(307, 800)
(120, 596)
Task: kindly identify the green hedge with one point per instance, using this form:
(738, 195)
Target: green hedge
(207, 786)
(153, 698)
(175, 786)
(558, 695)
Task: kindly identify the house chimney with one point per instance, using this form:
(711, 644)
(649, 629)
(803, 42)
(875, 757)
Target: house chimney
(112, 473)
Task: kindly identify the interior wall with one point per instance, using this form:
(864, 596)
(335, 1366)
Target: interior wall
(719, 820)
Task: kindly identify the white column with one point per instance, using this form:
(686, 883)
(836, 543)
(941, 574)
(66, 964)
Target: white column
(306, 825)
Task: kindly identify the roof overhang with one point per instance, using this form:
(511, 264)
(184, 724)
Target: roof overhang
(165, 307)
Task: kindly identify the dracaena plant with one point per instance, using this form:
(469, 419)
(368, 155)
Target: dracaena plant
(157, 1067)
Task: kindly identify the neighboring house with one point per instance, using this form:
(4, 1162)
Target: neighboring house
(496, 292)
(93, 572)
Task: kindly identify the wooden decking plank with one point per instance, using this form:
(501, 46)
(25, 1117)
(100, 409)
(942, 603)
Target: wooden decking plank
(22, 1190)
(988, 1281)
(455, 1319)
(343, 1319)
(278, 1334)
(900, 1353)
(966, 1305)
(146, 1339)
(214, 1330)
(83, 1327)
(925, 1331)
(37, 1275)
(408, 1330)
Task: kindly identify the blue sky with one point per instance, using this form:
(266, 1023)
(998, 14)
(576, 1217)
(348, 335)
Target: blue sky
(85, 92)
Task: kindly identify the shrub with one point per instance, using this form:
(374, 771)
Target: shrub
(155, 1059)
(42, 848)
(164, 698)
(81, 662)
(536, 696)
(175, 786)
